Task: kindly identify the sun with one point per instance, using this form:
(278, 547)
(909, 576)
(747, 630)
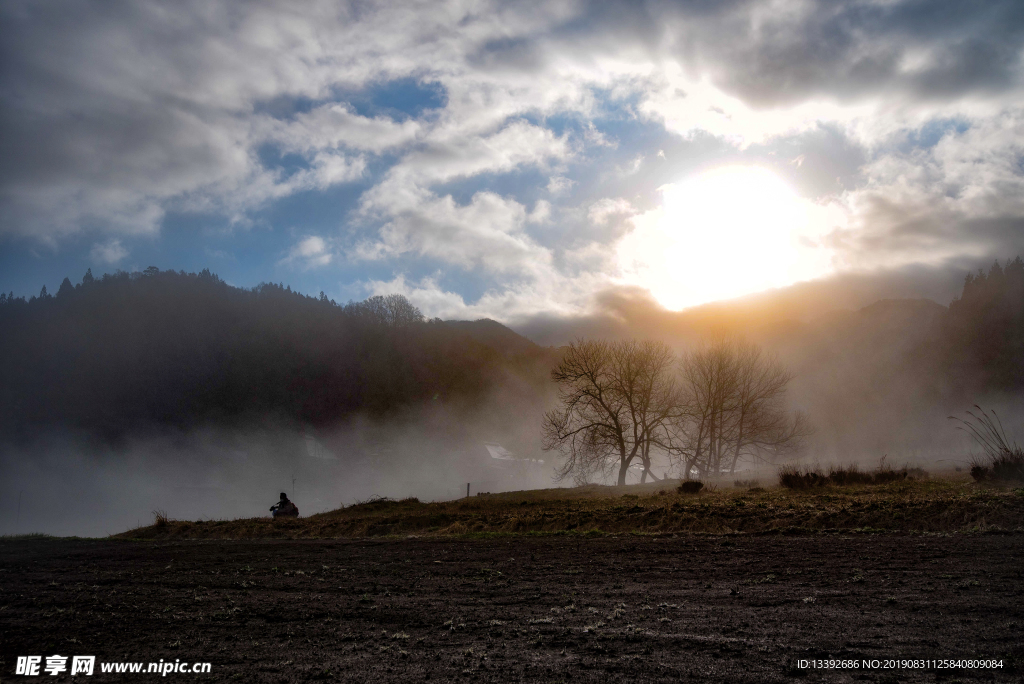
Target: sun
(723, 234)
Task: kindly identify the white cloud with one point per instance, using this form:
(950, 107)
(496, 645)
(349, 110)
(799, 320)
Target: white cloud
(310, 252)
(444, 158)
(691, 106)
(336, 125)
(109, 252)
(962, 197)
(560, 185)
(555, 295)
(541, 212)
(487, 233)
(330, 169)
(604, 210)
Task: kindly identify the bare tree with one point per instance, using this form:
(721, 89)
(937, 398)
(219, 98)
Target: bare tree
(616, 400)
(733, 408)
(706, 377)
(763, 427)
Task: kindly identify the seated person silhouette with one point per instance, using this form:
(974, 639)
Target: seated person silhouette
(284, 508)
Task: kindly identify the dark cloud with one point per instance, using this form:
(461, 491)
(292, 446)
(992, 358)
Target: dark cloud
(115, 114)
(781, 53)
(154, 103)
(918, 231)
(1002, 235)
(904, 50)
(99, 115)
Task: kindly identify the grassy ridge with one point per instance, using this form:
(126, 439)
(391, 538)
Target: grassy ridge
(937, 505)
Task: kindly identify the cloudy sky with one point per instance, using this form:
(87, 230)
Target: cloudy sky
(511, 159)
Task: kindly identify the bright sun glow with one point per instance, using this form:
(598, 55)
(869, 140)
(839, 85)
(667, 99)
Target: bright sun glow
(724, 234)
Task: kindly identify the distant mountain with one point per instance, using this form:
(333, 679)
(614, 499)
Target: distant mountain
(888, 329)
(882, 379)
(494, 335)
(129, 352)
(976, 344)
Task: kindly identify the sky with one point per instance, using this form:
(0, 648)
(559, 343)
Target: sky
(512, 160)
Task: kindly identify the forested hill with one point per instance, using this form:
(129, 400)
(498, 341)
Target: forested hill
(984, 333)
(129, 352)
(970, 349)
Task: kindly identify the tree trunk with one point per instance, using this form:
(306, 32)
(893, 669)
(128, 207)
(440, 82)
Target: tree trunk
(739, 444)
(623, 469)
(647, 464)
(695, 462)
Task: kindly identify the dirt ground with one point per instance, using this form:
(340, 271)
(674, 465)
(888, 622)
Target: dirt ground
(555, 608)
(933, 505)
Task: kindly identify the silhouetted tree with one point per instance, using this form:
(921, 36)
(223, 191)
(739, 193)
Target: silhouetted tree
(615, 401)
(66, 288)
(985, 329)
(732, 408)
(393, 311)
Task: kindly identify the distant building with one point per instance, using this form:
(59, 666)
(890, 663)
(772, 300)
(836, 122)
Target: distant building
(490, 467)
(315, 449)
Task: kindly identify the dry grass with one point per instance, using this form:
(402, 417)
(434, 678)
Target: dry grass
(934, 505)
(1007, 466)
(796, 477)
(1003, 461)
(160, 519)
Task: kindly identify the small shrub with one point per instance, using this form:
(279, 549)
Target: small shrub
(1005, 467)
(382, 503)
(1008, 466)
(793, 477)
(979, 472)
(883, 476)
(160, 518)
(690, 487)
(917, 474)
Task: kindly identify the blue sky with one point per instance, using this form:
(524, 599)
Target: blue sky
(509, 159)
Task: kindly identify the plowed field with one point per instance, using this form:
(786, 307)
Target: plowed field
(605, 609)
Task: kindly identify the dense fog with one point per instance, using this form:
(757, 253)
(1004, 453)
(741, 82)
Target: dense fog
(67, 486)
(876, 376)
(174, 392)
